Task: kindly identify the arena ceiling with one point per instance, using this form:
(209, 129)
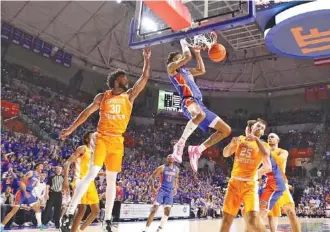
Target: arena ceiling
(96, 32)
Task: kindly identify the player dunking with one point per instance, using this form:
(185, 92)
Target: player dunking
(192, 104)
(169, 177)
(276, 193)
(115, 108)
(250, 152)
(82, 158)
(25, 196)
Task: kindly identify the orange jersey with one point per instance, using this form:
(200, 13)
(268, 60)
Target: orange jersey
(115, 113)
(83, 164)
(248, 158)
(280, 163)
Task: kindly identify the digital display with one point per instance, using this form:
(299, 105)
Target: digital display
(67, 59)
(37, 45)
(6, 31)
(27, 42)
(17, 36)
(47, 49)
(59, 57)
(169, 101)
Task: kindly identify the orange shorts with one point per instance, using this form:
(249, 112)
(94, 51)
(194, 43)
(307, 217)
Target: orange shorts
(241, 191)
(109, 150)
(285, 199)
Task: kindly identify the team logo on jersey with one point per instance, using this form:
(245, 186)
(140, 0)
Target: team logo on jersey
(263, 203)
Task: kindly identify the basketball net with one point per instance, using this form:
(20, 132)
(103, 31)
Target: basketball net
(203, 41)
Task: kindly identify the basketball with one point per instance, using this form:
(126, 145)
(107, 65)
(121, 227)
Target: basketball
(217, 52)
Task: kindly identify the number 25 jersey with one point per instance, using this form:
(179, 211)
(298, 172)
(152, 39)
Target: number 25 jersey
(248, 158)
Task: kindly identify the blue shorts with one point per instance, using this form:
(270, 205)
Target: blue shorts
(209, 115)
(164, 198)
(21, 199)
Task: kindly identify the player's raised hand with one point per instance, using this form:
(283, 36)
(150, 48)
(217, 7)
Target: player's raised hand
(251, 137)
(234, 140)
(65, 133)
(147, 53)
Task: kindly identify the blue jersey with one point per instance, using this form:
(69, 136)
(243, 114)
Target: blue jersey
(167, 178)
(32, 182)
(185, 85)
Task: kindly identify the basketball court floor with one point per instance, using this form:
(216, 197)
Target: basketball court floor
(308, 225)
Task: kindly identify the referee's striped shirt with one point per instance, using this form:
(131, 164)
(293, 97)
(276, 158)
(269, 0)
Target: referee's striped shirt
(55, 183)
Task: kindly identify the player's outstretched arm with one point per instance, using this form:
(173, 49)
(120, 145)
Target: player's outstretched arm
(154, 175)
(23, 180)
(83, 116)
(72, 159)
(266, 166)
(284, 155)
(200, 68)
(231, 147)
(142, 81)
(173, 66)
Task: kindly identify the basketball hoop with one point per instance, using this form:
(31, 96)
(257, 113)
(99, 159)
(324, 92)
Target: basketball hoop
(203, 41)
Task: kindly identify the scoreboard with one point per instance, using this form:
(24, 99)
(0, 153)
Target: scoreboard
(169, 101)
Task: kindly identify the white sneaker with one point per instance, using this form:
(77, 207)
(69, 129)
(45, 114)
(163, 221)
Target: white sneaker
(178, 152)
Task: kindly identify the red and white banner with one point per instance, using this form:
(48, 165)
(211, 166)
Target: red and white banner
(310, 94)
(321, 92)
(211, 152)
(301, 153)
(9, 109)
(322, 61)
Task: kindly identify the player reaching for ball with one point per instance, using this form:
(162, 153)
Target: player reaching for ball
(192, 104)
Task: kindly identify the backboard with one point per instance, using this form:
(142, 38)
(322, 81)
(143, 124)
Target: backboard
(148, 29)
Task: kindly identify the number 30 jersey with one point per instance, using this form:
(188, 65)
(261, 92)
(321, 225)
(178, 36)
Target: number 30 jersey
(248, 159)
(115, 113)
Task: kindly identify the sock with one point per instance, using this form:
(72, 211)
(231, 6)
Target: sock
(110, 193)
(201, 148)
(163, 221)
(81, 188)
(188, 130)
(146, 229)
(38, 217)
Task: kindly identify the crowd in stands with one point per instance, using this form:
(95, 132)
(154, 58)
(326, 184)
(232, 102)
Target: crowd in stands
(53, 110)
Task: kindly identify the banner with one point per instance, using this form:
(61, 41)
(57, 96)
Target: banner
(211, 152)
(310, 94)
(142, 211)
(129, 141)
(9, 109)
(300, 161)
(301, 153)
(321, 92)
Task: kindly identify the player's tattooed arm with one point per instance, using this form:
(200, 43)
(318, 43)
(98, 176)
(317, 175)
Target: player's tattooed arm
(172, 67)
(231, 147)
(72, 159)
(83, 116)
(23, 185)
(200, 68)
(266, 166)
(154, 175)
(142, 81)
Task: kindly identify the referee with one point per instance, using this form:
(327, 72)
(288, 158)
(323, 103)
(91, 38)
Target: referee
(54, 197)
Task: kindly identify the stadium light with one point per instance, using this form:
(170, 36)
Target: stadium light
(118, 1)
